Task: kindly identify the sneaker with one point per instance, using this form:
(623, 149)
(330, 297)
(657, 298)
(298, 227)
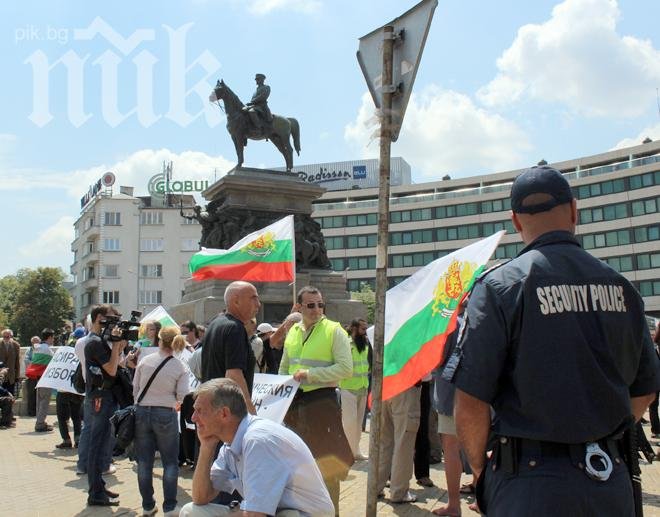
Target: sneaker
(407, 498)
(43, 429)
(102, 502)
(80, 472)
(111, 470)
(361, 457)
(63, 445)
(147, 513)
(425, 481)
(173, 513)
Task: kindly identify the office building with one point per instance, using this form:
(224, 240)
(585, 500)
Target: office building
(131, 252)
(618, 195)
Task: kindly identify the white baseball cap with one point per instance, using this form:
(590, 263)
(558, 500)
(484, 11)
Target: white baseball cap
(265, 327)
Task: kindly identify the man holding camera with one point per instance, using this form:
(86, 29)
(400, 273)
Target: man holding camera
(102, 355)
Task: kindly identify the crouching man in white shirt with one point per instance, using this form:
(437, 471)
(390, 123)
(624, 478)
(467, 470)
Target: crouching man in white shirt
(269, 465)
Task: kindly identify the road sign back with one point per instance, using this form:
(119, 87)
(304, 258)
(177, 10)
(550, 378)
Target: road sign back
(410, 31)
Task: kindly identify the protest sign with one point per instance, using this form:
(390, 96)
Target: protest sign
(60, 370)
(272, 395)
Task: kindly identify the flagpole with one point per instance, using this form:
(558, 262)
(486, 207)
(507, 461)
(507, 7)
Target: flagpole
(381, 270)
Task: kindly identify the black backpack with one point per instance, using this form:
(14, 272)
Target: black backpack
(78, 381)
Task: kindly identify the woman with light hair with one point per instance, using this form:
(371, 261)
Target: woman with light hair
(156, 425)
(151, 333)
(178, 346)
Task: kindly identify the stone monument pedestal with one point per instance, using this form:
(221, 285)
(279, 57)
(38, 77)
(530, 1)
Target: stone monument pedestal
(257, 198)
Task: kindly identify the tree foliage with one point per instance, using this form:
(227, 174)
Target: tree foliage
(40, 301)
(367, 296)
(8, 292)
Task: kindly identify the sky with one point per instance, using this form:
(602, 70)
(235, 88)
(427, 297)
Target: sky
(90, 87)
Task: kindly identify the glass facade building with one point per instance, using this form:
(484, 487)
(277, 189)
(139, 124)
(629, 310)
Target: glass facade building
(618, 195)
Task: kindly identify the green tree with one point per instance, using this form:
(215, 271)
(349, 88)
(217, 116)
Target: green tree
(41, 301)
(8, 293)
(367, 296)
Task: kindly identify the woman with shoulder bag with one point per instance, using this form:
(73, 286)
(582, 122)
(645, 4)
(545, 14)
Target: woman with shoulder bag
(156, 420)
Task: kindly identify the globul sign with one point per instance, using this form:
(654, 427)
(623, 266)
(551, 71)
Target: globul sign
(160, 185)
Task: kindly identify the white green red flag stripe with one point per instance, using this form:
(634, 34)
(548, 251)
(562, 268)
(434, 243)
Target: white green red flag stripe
(37, 365)
(420, 313)
(160, 315)
(266, 255)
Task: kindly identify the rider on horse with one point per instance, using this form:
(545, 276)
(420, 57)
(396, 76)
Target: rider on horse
(257, 108)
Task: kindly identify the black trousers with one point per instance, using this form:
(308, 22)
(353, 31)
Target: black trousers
(553, 486)
(6, 410)
(188, 437)
(11, 388)
(653, 415)
(31, 394)
(422, 443)
(68, 406)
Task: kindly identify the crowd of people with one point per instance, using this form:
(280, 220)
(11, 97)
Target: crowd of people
(549, 366)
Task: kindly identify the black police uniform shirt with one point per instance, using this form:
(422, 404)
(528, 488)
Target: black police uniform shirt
(556, 341)
(226, 347)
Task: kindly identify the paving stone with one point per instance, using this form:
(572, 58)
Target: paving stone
(39, 480)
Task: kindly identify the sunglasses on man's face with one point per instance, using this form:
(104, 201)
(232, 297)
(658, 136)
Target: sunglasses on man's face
(311, 305)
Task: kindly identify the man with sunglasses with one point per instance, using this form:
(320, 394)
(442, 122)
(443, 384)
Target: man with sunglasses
(317, 352)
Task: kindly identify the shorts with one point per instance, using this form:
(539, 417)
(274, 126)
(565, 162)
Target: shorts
(446, 424)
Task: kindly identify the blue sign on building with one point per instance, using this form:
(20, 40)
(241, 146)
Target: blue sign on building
(359, 172)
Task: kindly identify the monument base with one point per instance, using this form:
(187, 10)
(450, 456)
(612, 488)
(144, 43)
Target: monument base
(203, 300)
(246, 200)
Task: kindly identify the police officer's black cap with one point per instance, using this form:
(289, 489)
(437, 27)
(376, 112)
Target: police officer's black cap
(260, 76)
(539, 180)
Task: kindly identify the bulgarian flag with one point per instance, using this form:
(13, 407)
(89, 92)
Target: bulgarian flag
(420, 313)
(266, 255)
(40, 358)
(160, 315)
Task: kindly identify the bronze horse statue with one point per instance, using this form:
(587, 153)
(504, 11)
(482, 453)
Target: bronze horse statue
(240, 127)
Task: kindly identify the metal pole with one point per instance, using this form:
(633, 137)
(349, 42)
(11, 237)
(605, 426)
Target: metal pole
(381, 270)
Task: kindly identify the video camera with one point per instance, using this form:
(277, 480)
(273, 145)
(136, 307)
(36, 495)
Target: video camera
(129, 328)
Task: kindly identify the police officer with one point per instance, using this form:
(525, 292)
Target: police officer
(317, 353)
(556, 342)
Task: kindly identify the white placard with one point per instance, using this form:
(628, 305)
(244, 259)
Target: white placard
(272, 395)
(59, 372)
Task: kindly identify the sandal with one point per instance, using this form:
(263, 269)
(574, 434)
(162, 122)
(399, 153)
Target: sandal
(64, 445)
(467, 488)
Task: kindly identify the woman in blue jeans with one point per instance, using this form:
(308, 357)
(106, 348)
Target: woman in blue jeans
(156, 421)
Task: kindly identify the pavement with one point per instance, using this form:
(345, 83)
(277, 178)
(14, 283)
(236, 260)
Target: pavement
(38, 480)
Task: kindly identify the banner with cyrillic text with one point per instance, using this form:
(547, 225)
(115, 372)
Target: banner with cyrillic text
(272, 395)
(59, 372)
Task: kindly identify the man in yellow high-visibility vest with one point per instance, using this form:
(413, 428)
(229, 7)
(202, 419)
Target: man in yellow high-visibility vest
(355, 389)
(317, 353)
